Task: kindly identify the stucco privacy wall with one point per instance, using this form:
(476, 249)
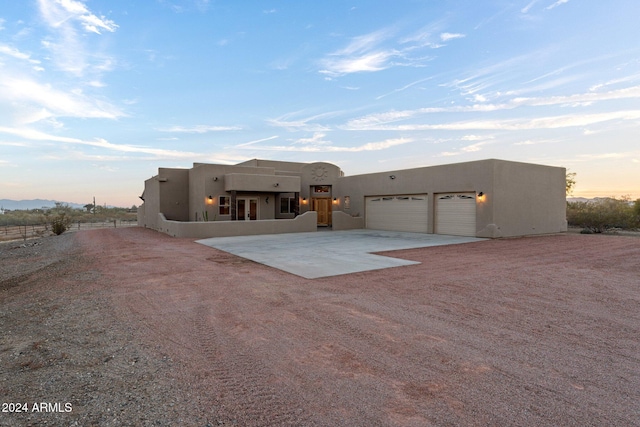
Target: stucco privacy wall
(527, 199)
(172, 200)
(301, 224)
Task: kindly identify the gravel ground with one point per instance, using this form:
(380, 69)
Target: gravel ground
(131, 327)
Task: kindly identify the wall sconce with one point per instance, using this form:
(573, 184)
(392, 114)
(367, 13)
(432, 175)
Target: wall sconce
(481, 196)
(276, 184)
(304, 200)
(210, 200)
(392, 176)
(335, 200)
(215, 178)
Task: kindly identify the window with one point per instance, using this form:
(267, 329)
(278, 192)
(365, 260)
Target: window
(322, 189)
(224, 203)
(287, 205)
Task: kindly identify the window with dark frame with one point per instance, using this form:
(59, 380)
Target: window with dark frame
(224, 205)
(287, 205)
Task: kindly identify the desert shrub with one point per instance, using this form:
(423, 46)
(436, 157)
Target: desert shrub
(60, 223)
(603, 214)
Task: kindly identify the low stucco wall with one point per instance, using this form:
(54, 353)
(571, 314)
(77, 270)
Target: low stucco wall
(302, 223)
(344, 221)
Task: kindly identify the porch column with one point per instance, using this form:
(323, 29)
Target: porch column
(234, 213)
(296, 204)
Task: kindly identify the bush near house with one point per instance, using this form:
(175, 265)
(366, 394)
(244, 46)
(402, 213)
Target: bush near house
(600, 215)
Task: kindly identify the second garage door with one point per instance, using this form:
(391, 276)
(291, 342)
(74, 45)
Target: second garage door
(397, 213)
(455, 214)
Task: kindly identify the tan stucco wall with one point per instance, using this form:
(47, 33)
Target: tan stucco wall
(529, 199)
(174, 193)
(262, 183)
(460, 177)
(343, 221)
(520, 198)
(209, 180)
(148, 212)
(301, 224)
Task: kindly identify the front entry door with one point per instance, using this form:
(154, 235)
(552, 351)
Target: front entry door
(247, 209)
(323, 207)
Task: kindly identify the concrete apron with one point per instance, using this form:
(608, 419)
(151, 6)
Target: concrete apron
(314, 255)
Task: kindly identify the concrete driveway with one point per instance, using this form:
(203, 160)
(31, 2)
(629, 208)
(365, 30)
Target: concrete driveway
(330, 253)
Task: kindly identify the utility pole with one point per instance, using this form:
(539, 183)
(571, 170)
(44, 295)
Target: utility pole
(94, 205)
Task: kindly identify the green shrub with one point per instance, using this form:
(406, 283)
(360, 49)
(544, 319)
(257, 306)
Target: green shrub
(603, 214)
(60, 223)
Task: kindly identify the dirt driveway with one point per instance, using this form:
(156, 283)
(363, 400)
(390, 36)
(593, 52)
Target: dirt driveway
(131, 327)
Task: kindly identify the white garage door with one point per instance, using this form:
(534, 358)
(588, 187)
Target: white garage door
(455, 214)
(397, 213)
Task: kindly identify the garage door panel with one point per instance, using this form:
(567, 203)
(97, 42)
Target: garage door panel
(455, 214)
(397, 213)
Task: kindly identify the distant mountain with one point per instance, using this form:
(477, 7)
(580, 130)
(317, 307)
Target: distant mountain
(578, 199)
(13, 205)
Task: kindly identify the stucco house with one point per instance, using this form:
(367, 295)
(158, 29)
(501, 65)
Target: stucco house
(486, 198)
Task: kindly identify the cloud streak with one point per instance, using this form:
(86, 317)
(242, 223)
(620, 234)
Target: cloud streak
(552, 122)
(376, 121)
(378, 51)
(325, 148)
(45, 102)
(69, 53)
(199, 129)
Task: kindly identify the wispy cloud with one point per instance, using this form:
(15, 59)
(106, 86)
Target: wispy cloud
(551, 122)
(380, 120)
(529, 6)
(257, 141)
(464, 150)
(403, 88)
(382, 49)
(451, 36)
(291, 122)
(66, 19)
(316, 139)
(199, 129)
(556, 4)
(15, 53)
(41, 101)
(35, 135)
(327, 148)
(58, 13)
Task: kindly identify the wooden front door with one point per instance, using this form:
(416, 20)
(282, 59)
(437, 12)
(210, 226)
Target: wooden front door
(323, 207)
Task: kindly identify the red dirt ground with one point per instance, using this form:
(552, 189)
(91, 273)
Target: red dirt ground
(136, 328)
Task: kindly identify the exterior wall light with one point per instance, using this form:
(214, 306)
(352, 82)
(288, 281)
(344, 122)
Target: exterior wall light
(304, 200)
(481, 196)
(215, 178)
(335, 200)
(392, 176)
(276, 184)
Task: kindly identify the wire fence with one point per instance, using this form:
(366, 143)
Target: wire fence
(24, 232)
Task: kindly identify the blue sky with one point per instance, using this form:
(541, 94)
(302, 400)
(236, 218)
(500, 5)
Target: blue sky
(95, 95)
